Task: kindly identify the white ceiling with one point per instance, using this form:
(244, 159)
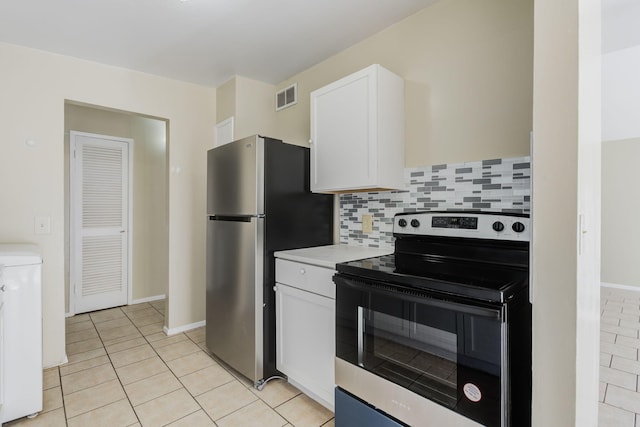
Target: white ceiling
(200, 41)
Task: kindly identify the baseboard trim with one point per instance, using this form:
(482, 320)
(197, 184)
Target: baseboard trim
(329, 405)
(619, 286)
(64, 361)
(183, 328)
(135, 301)
(147, 299)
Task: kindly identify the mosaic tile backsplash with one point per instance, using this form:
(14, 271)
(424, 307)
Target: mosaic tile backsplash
(499, 185)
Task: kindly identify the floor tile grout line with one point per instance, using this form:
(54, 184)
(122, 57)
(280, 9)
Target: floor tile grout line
(81, 361)
(636, 416)
(165, 363)
(117, 376)
(170, 370)
(244, 406)
(177, 378)
(127, 349)
(64, 407)
(258, 398)
(112, 366)
(155, 375)
(188, 415)
(274, 408)
(157, 397)
(194, 397)
(122, 385)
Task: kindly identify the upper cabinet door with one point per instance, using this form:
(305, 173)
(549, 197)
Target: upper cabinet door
(357, 133)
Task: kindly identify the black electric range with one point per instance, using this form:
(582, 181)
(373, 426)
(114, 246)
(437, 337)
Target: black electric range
(446, 318)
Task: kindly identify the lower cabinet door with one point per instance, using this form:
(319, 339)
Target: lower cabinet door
(305, 334)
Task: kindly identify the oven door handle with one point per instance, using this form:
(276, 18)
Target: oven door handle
(419, 297)
(361, 329)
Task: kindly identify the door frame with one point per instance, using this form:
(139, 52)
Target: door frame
(73, 200)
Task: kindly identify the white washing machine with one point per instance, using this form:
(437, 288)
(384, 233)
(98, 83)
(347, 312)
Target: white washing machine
(20, 331)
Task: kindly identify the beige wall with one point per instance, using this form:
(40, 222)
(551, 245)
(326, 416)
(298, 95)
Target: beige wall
(251, 103)
(34, 87)
(226, 100)
(467, 66)
(150, 234)
(566, 175)
(620, 207)
(620, 150)
(150, 208)
(255, 108)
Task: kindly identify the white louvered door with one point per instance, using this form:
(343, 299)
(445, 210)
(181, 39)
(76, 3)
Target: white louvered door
(99, 221)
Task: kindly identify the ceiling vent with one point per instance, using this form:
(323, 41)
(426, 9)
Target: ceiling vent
(287, 97)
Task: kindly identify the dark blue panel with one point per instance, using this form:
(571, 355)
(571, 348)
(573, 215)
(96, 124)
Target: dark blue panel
(352, 412)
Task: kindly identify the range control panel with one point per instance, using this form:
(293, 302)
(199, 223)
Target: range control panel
(477, 225)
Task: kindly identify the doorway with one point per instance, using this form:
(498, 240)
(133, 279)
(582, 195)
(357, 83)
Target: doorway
(149, 236)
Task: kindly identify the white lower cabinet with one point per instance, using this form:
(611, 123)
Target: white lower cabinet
(305, 328)
(21, 358)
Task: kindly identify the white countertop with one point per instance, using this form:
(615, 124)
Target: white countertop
(329, 256)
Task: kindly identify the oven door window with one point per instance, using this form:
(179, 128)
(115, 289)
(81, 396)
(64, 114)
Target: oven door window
(419, 357)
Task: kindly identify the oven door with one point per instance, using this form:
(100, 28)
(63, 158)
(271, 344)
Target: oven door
(449, 352)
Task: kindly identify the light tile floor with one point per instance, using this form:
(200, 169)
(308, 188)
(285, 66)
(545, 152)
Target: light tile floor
(124, 371)
(619, 363)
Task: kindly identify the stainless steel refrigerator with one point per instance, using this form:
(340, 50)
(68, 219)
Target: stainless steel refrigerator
(258, 202)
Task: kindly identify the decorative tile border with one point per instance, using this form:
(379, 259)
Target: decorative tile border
(498, 185)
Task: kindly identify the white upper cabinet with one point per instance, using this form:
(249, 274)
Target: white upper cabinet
(357, 133)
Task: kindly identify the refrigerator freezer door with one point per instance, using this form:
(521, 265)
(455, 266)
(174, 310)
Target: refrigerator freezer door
(235, 178)
(234, 292)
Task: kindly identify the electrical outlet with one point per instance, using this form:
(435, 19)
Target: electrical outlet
(367, 223)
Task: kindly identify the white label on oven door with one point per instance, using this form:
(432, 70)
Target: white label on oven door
(472, 392)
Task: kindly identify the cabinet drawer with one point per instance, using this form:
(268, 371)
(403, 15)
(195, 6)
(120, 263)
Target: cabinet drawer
(307, 277)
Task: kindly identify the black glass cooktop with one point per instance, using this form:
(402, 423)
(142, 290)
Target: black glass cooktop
(488, 282)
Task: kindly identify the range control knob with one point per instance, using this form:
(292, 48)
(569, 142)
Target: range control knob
(415, 223)
(518, 227)
(498, 226)
(402, 222)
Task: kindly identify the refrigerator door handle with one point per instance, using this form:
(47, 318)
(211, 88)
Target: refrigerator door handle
(237, 218)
